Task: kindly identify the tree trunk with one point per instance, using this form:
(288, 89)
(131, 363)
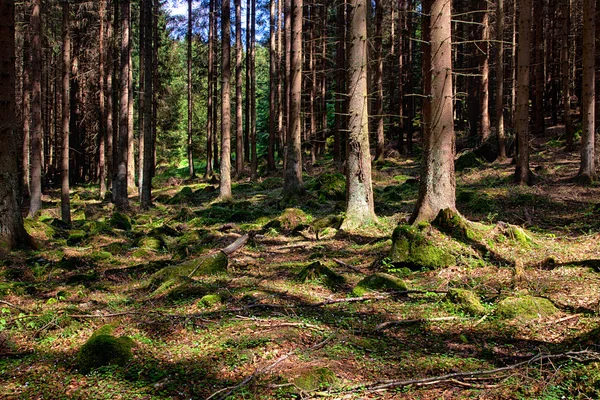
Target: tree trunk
(287, 12)
(26, 110)
(101, 104)
(109, 102)
(116, 95)
(120, 183)
(359, 190)
(12, 233)
(142, 121)
(587, 170)
(273, 117)
(239, 131)
(539, 73)
(378, 81)
(209, 97)
(500, 80)
(437, 185)
(484, 64)
(36, 110)
(253, 138)
(293, 185)
(565, 71)
(147, 159)
(340, 83)
(225, 187)
(66, 115)
(131, 140)
(522, 173)
(190, 105)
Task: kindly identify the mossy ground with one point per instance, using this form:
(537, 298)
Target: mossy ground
(187, 347)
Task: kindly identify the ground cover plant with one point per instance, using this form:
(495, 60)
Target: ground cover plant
(302, 309)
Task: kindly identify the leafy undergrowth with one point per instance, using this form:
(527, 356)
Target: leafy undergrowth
(279, 323)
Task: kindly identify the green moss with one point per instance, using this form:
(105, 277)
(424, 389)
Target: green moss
(76, 237)
(330, 221)
(317, 270)
(185, 195)
(378, 281)
(468, 160)
(453, 224)
(103, 349)
(518, 235)
(100, 255)
(36, 228)
(206, 265)
(210, 300)
(120, 221)
(271, 183)
(525, 307)
(316, 378)
(292, 217)
(467, 300)
(329, 186)
(412, 248)
(151, 243)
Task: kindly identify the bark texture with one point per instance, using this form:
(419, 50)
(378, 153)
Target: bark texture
(225, 187)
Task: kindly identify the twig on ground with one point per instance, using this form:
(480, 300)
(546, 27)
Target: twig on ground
(388, 324)
(563, 319)
(13, 306)
(346, 265)
(277, 323)
(225, 392)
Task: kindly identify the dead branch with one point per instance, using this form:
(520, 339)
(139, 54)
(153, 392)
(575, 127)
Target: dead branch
(235, 246)
(278, 324)
(346, 265)
(225, 392)
(388, 324)
(13, 306)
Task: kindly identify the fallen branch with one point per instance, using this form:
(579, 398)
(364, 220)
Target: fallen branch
(225, 392)
(13, 306)
(581, 356)
(277, 324)
(235, 246)
(346, 265)
(386, 325)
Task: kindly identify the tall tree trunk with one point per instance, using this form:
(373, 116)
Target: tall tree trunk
(522, 173)
(147, 159)
(293, 185)
(280, 77)
(248, 84)
(438, 185)
(209, 97)
(587, 169)
(312, 81)
(131, 183)
(539, 73)
(116, 94)
(109, 100)
(485, 71)
(273, 78)
(253, 138)
(410, 80)
(121, 181)
(225, 187)
(239, 128)
(359, 190)
(142, 121)
(378, 81)
(513, 88)
(12, 232)
(26, 111)
(565, 71)
(36, 110)
(190, 105)
(340, 83)
(101, 103)
(399, 86)
(287, 12)
(66, 115)
(500, 80)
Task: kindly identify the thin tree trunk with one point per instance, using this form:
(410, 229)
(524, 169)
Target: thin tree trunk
(513, 89)
(131, 183)
(378, 81)
(120, 183)
(359, 190)
(540, 78)
(500, 80)
(101, 103)
(565, 59)
(287, 12)
(109, 102)
(485, 71)
(273, 117)
(438, 185)
(147, 159)
(36, 110)
(253, 138)
(66, 115)
(587, 170)
(26, 111)
(340, 83)
(209, 97)
(116, 45)
(280, 77)
(293, 185)
(247, 127)
(225, 187)
(239, 128)
(190, 101)
(522, 173)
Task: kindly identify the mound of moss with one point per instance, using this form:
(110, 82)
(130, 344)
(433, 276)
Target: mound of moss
(151, 243)
(76, 237)
(210, 300)
(412, 248)
(321, 272)
(211, 264)
(467, 300)
(120, 221)
(316, 378)
(327, 223)
(454, 225)
(185, 195)
(379, 282)
(329, 186)
(525, 307)
(291, 218)
(468, 160)
(102, 349)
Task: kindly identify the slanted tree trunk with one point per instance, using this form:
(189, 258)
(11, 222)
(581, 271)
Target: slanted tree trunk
(209, 98)
(587, 169)
(36, 110)
(437, 186)
(65, 204)
(360, 208)
(225, 187)
(239, 128)
(120, 182)
(190, 100)
(12, 233)
(293, 185)
(565, 71)
(523, 174)
(500, 80)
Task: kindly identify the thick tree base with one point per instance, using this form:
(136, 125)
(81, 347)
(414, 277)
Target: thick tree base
(413, 246)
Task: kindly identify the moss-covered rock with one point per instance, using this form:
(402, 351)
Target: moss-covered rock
(330, 222)
(100, 255)
(518, 235)
(151, 243)
(329, 186)
(211, 264)
(319, 271)
(316, 378)
(76, 237)
(379, 282)
(292, 217)
(185, 195)
(210, 300)
(271, 183)
(38, 229)
(467, 300)
(413, 249)
(120, 221)
(102, 349)
(525, 307)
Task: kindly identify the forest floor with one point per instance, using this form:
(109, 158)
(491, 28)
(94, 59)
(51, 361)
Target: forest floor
(262, 333)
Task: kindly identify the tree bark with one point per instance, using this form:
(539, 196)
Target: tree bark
(209, 97)
(485, 71)
(437, 185)
(273, 116)
(360, 208)
(539, 73)
(66, 116)
(565, 71)
(253, 138)
(378, 81)
(239, 131)
(500, 80)
(225, 187)
(522, 173)
(101, 103)
(190, 100)
(26, 110)
(293, 185)
(109, 101)
(147, 159)
(12, 233)
(340, 83)
(587, 169)
(36, 110)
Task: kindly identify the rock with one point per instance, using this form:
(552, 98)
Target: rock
(210, 300)
(379, 281)
(329, 222)
(211, 264)
(467, 300)
(103, 349)
(120, 221)
(412, 248)
(525, 307)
